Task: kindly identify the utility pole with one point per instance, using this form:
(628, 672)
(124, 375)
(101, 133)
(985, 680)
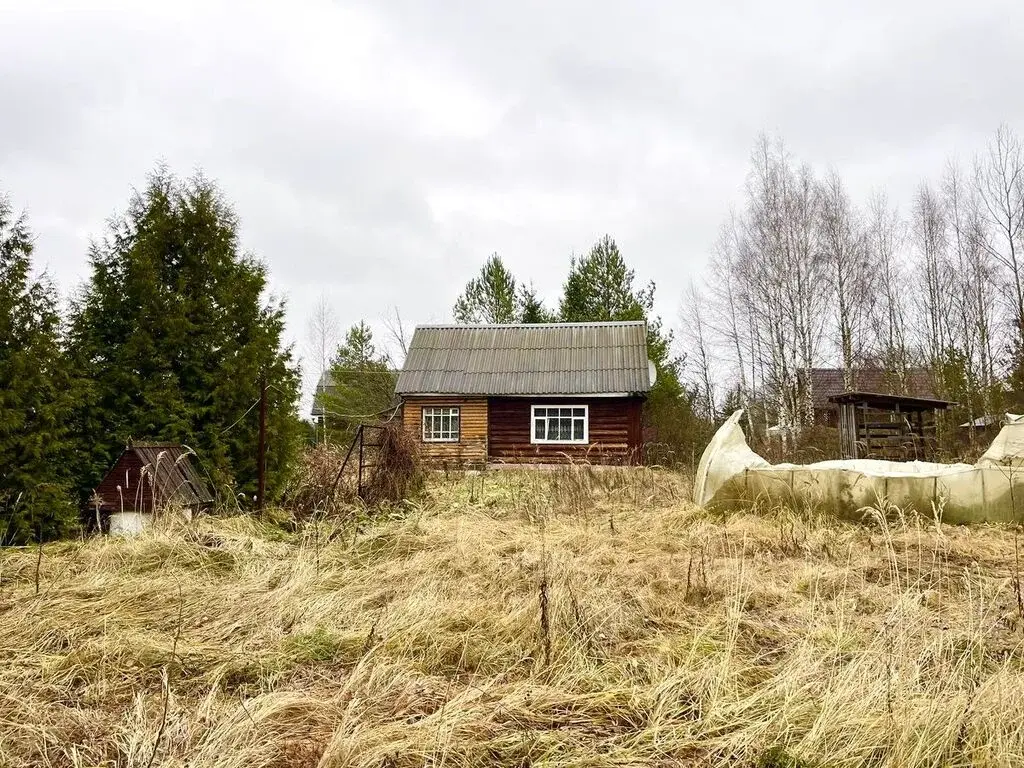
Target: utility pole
(261, 461)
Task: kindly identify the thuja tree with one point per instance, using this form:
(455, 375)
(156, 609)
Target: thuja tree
(173, 334)
(34, 396)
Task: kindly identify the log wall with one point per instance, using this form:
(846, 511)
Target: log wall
(471, 450)
(614, 431)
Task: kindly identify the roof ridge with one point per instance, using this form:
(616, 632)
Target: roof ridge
(598, 323)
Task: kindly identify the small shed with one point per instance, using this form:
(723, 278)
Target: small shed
(893, 427)
(145, 478)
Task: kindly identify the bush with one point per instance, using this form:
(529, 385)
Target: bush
(391, 473)
(314, 487)
(396, 473)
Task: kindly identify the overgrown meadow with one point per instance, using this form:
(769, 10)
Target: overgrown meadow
(571, 617)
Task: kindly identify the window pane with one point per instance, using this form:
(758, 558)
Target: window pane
(579, 411)
(455, 424)
(577, 429)
(540, 413)
(538, 429)
(565, 429)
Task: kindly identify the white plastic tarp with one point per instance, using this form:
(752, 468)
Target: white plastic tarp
(731, 474)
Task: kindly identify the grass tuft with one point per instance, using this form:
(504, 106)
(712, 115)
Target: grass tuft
(579, 617)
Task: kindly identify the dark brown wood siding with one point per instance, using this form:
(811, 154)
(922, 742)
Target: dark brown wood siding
(135, 493)
(614, 431)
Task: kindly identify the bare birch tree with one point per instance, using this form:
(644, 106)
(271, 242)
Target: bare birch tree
(886, 238)
(779, 267)
(852, 281)
(999, 178)
(322, 338)
(973, 294)
(929, 236)
(696, 334)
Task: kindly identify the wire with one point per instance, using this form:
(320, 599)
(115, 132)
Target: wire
(255, 403)
(393, 410)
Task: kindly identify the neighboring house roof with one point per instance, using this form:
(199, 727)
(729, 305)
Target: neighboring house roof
(153, 471)
(538, 359)
(828, 382)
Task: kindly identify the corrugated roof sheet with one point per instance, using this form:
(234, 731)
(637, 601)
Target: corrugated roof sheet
(541, 359)
(176, 477)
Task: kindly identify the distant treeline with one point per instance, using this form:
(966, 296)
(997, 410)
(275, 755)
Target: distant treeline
(804, 276)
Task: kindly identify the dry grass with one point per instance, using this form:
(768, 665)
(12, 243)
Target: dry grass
(672, 638)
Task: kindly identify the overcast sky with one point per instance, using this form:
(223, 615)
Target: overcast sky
(378, 152)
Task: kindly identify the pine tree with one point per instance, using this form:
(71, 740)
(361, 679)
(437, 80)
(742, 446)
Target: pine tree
(490, 297)
(34, 396)
(362, 383)
(172, 335)
(600, 288)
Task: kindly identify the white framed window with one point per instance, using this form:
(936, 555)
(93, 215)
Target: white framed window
(559, 424)
(441, 425)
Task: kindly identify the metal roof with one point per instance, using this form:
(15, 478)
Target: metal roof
(537, 359)
(886, 401)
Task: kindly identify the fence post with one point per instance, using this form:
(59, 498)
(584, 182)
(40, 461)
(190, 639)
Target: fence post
(359, 481)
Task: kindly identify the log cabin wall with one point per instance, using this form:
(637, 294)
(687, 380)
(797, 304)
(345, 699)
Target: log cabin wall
(614, 431)
(471, 448)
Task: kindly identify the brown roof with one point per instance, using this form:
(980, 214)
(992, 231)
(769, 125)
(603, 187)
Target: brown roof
(148, 472)
(828, 382)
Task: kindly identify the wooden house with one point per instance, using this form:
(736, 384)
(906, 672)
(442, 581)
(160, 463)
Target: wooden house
(146, 478)
(481, 394)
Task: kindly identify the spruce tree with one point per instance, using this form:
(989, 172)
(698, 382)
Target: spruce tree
(531, 308)
(362, 384)
(34, 396)
(173, 335)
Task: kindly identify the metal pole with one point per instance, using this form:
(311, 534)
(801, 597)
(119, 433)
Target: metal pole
(359, 481)
(261, 460)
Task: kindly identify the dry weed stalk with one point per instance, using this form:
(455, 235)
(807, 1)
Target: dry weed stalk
(814, 642)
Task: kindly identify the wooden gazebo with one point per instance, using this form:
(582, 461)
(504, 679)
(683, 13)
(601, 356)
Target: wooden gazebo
(894, 427)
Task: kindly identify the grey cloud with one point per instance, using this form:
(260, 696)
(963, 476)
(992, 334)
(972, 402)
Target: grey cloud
(377, 152)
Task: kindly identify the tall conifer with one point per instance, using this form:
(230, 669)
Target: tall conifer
(173, 334)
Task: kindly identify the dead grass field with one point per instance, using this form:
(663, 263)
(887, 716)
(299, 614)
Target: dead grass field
(567, 618)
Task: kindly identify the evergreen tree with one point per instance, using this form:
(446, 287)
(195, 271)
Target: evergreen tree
(172, 336)
(490, 297)
(600, 288)
(531, 309)
(34, 396)
(362, 385)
